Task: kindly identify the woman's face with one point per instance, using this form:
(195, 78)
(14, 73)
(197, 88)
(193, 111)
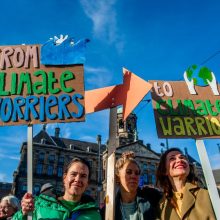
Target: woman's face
(177, 165)
(76, 180)
(6, 210)
(129, 176)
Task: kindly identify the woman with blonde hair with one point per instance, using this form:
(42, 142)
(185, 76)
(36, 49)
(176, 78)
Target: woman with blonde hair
(132, 203)
(183, 198)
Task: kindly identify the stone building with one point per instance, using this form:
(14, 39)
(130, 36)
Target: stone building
(216, 174)
(5, 189)
(50, 155)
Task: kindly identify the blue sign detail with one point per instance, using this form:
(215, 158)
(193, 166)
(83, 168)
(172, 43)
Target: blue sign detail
(66, 53)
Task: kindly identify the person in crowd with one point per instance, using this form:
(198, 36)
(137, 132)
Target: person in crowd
(48, 189)
(8, 206)
(183, 198)
(74, 204)
(131, 202)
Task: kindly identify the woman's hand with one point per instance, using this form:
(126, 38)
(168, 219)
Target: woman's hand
(27, 203)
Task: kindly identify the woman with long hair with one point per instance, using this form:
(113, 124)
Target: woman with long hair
(183, 198)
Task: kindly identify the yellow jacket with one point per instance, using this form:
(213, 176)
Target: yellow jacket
(196, 206)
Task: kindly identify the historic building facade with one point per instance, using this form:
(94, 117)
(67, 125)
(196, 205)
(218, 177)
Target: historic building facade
(52, 153)
(5, 189)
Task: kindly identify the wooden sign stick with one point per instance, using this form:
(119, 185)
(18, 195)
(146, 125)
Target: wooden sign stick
(210, 181)
(30, 163)
(112, 145)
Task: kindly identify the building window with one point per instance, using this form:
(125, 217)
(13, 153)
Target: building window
(41, 157)
(153, 179)
(145, 178)
(59, 171)
(51, 158)
(50, 170)
(36, 189)
(129, 127)
(24, 188)
(90, 163)
(61, 159)
(121, 124)
(152, 167)
(39, 168)
(145, 167)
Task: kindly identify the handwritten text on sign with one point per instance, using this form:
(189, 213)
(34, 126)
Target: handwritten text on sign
(179, 114)
(35, 93)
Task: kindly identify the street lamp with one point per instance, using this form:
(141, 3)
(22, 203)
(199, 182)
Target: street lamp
(99, 137)
(218, 147)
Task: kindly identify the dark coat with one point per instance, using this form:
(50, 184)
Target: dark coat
(147, 202)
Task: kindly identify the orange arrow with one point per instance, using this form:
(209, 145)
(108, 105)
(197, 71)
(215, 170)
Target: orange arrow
(128, 94)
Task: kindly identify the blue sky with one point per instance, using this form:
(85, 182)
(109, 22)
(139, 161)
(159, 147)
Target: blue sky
(157, 40)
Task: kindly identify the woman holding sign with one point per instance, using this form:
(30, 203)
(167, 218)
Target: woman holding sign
(74, 204)
(183, 198)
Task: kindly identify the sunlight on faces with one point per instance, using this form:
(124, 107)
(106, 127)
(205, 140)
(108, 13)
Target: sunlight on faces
(76, 180)
(6, 210)
(129, 176)
(177, 165)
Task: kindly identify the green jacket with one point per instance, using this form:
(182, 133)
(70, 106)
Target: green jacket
(50, 208)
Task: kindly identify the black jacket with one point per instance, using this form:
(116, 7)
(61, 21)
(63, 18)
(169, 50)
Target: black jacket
(147, 202)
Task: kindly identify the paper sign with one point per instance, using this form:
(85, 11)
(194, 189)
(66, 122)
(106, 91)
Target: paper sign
(32, 93)
(179, 114)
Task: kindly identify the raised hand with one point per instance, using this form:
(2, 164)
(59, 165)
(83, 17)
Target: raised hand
(213, 85)
(190, 84)
(27, 203)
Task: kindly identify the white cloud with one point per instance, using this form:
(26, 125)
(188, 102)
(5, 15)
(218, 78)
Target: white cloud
(12, 140)
(88, 138)
(66, 131)
(7, 156)
(2, 177)
(98, 77)
(103, 15)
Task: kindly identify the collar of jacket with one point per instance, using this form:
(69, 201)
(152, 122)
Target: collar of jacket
(86, 202)
(189, 198)
(142, 203)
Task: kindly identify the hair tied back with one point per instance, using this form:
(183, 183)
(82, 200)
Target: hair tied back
(127, 155)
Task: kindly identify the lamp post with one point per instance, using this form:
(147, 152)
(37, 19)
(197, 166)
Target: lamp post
(218, 147)
(99, 137)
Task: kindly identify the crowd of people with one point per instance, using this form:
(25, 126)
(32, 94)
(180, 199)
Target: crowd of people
(177, 195)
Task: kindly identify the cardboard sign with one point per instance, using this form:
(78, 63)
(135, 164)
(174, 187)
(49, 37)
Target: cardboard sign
(32, 93)
(179, 114)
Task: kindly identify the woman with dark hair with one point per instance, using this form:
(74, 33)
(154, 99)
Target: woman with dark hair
(131, 202)
(183, 198)
(74, 204)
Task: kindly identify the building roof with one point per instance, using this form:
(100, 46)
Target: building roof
(67, 143)
(139, 149)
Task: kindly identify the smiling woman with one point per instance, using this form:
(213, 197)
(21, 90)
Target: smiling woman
(74, 204)
(183, 198)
